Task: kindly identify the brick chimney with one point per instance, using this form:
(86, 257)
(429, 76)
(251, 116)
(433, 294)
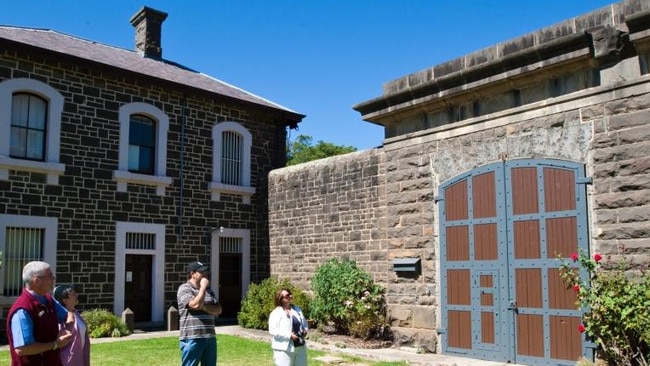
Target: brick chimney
(148, 24)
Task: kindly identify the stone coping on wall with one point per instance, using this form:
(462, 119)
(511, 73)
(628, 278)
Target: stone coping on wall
(571, 40)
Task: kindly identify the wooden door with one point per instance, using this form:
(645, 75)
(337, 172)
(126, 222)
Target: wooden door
(473, 275)
(502, 228)
(546, 219)
(137, 286)
(230, 284)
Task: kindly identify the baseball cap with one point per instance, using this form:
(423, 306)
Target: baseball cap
(196, 267)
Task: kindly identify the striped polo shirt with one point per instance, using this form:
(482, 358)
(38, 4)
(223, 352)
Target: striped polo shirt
(194, 323)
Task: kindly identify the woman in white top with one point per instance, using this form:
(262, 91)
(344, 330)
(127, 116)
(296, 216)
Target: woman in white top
(288, 326)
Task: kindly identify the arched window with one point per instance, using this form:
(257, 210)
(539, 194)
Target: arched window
(143, 147)
(231, 163)
(30, 128)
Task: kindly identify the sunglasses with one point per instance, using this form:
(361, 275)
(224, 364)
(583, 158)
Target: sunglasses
(288, 296)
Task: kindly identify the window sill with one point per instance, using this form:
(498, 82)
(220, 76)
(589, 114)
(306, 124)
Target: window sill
(123, 178)
(218, 188)
(52, 170)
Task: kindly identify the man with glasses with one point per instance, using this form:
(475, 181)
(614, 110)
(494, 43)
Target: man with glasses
(33, 320)
(197, 307)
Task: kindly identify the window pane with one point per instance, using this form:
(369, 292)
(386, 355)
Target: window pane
(142, 141)
(142, 131)
(35, 144)
(134, 157)
(18, 141)
(146, 160)
(20, 110)
(37, 113)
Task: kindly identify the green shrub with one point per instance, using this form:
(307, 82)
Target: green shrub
(260, 301)
(346, 298)
(616, 307)
(102, 323)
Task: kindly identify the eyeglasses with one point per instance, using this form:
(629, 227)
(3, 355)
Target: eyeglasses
(287, 296)
(48, 276)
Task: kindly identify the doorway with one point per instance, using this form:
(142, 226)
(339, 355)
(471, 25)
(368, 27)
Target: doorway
(138, 286)
(502, 228)
(231, 268)
(230, 284)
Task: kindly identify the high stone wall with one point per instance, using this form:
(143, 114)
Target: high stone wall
(377, 205)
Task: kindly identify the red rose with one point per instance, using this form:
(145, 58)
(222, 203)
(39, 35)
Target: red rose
(581, 328)
(574, 256)
(576, 288)
(598, 257)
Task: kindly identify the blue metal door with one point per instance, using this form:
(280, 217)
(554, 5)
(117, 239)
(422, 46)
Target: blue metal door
(502, 228)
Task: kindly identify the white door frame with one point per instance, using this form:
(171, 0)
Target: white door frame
(245, 235)
(158, 264)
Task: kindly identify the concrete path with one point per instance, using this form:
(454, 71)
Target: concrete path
(382, 354)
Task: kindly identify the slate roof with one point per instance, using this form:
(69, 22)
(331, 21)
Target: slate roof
(129, 60)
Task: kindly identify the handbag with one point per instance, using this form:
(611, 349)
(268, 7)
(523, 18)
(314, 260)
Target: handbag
(299, 342)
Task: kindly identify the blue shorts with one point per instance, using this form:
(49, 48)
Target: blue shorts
(198, 351)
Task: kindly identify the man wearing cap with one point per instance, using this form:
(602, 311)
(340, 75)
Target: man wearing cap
(197, 307)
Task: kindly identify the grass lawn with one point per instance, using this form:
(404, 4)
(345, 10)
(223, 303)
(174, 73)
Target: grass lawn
(232, 351)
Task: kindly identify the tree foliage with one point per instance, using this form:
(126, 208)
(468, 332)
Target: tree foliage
(302, 150)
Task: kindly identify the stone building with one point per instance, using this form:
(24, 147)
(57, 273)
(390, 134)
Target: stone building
(493, 165)
(119, 167)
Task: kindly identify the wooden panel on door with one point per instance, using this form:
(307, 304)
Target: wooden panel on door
(528, 341)
(566, 342)
(457, 243)
(460, 329)
(524, 191)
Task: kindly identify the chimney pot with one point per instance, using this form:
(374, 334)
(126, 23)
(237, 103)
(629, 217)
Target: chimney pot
(148, 25)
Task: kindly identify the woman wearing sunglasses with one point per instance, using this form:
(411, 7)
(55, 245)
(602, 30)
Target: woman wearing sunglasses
(288, 326)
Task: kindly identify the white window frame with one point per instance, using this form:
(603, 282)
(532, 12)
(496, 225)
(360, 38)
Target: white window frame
(216, 187)
(48, 224)
(51, 166)
(245, 236)
(123, 176)
(158, 264)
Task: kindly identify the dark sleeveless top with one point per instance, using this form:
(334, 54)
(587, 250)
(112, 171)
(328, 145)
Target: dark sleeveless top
(45, 329)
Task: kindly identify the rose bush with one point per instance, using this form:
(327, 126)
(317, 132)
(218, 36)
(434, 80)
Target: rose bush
(347, 299)
(616, 306)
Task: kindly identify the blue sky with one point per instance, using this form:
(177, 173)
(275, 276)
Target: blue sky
(316, 57)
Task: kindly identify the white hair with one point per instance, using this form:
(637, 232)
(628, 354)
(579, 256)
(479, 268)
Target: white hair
(35, 268)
